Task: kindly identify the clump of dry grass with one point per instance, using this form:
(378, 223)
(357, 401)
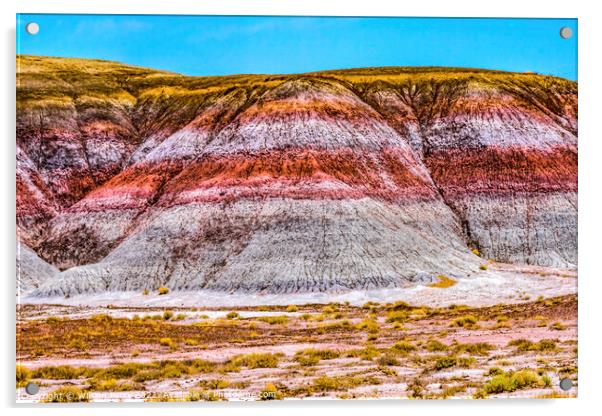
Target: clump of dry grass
(23, 375)
(311, 356)
(543, 345)
(112, 384)
(444, 282)
(371, 306)
(434, 345)
(338, 383)
(369, 325)
(478, 348)
(163, 290)
(442, 363)
(397, 316)
(466, 321)
(168, 342)
(274, 320)
(101, 332)
(368, 353)
(558, 326)
(403, 347)
(257, 360)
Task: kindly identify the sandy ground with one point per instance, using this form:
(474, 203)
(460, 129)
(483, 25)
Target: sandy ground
(509, 302)
(410, 373)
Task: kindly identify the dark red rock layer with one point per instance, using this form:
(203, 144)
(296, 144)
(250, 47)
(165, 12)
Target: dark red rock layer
(503, 171)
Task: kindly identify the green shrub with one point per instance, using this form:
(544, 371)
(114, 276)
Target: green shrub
(167, 315)
(233, 315)
(509, 382)
(445, 362)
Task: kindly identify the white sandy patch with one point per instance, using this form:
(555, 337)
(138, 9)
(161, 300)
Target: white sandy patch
(500, 284)
(198, 315)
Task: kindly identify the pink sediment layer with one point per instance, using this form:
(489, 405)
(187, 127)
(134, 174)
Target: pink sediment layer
(391, 175)
(298, 174)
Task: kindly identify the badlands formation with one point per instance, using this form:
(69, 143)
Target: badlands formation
(131, 179)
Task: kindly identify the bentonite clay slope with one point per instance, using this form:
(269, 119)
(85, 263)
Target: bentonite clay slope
(377, 177)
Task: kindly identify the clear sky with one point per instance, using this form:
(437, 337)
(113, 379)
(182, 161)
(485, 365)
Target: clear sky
(220, 45)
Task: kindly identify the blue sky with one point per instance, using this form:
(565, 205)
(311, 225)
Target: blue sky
(220, 45)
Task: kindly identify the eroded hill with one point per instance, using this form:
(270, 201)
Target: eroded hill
(130, 178)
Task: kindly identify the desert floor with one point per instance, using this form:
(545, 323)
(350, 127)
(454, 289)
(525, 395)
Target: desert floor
(337, 350)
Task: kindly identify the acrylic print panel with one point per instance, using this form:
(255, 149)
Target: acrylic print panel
(266, 208)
